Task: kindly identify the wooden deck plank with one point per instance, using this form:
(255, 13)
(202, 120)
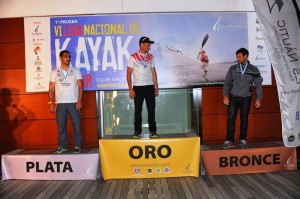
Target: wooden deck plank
(45, 191)
(172, 188)
(118, 190)
(131, 190)
(238, 186)
(98, 189)
(226, 185)
(79, 189)
(158, 188)
(125, 189)
(112, 189)
(165, 188)
(35, 189)
(145, 189)
(222, 190)
(64, 188)
(206, 188)
(105, 189)
(252, 188)
(187, 191)
(260, 186)
(179, 188)
(287, 184)
(152, 193)
(213, 187)
(91, 190)
(7, 184)
(199, 188)
(72, 190)
(85, 189)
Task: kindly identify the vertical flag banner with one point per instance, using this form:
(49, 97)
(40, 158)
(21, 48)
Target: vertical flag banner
(100, 46)
(280, 23)
(37, 53)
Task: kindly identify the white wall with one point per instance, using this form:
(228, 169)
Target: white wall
(25, 8)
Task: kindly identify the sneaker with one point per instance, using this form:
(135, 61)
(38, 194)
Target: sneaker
(228, 144)
(136, 136)
(60, 150)
(77, 150)
(243, 144)
(154, 134)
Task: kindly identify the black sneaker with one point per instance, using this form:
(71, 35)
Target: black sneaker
(136, 136)
(154, 134)
(60, 150)
(228, 144)
(77, 150)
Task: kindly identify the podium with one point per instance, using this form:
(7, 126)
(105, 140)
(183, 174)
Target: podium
(45, 165)
(124, 157)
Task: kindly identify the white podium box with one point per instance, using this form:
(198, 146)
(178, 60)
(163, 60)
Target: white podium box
(41, 165)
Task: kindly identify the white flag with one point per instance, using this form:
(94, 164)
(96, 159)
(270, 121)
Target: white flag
(280, 24)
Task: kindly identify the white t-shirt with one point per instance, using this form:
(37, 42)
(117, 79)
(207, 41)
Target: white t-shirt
(141, 64)
(66, 86)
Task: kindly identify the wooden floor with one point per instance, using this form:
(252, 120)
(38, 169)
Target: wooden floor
(285, 184)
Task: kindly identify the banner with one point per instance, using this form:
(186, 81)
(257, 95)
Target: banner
(16, 165)
(37, 53)
(280, 22)
(252, 160)
(149, 158)
(100, 46)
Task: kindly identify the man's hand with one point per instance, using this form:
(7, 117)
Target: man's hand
(79, 105)
(156, 92)
(257, 103)
(52, 107)
(131, 93)
(226, 100)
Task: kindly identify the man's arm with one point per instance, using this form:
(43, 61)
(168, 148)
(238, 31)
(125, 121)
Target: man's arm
(154, 76)
(80, 94)
(227, 86)
(129, 82)
(51, 96)
(258, 88)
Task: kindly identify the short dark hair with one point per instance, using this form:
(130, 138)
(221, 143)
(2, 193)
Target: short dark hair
(244, 51)
(62, 52)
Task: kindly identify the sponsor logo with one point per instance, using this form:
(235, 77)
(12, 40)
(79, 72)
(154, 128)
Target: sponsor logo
(278, 3)
(137, 170)
(298, 136)
(258, 58)
(254, 160)
(288, 163)
(150, 151)
(150, 171)
(218, 26)
(167, 170)
(38, 77)
(158, 170)
(39, 86)
(53, 167)
(260, 48)
(188, 169)
(297, 115)
(37, 49)
(257, 21)
(258, 29)
(36, 30)
(259, 38)
(291, 138)
(38, 69)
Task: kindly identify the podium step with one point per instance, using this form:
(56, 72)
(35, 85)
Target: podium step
(258, 158)
(45, 165)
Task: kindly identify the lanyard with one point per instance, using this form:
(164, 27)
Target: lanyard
(65, 77)
(243, 71)
(143, 60)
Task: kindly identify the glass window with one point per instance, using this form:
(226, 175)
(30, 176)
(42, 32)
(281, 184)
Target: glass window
(176, 112)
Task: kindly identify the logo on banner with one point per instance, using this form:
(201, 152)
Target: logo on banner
(288, 163)
(158, 170)
(36, 31)
(297, 115)
(150, 171)
(258, 58)
(278, 3)
(291, 138)
(167, 170)
(259, 48)
(226, 27)
(137, 170)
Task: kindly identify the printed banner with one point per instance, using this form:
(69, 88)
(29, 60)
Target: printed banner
(149, 158)
(16, 165)
(37, 53)
(252, 160)
(280, 23)
(100, 47)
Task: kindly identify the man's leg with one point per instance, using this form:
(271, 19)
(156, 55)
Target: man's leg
(232, 113)
(138, 105)
(150, 102)
(244, 111)
(75, 119)
(61, 120)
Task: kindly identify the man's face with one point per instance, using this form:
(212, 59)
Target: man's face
(241, 58)
(65, 59)
(145, 47)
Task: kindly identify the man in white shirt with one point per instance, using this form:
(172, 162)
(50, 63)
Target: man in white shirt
(66, 85)
(141, 65)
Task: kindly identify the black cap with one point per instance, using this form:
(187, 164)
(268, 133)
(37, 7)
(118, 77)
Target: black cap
(145, 40)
